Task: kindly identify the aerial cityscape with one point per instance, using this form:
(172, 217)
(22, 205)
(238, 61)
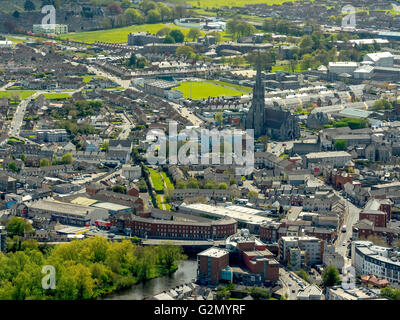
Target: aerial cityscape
(199, 150)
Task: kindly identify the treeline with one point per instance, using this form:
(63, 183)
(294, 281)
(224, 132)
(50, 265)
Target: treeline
(146, 12)
(85, 269)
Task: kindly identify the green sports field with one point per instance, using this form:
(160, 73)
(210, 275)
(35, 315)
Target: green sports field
(120, 35)
(23, 93)
(204, 89)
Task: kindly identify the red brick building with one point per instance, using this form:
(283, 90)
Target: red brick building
(210, 264)
(171, 229)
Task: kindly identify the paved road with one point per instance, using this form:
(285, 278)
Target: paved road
(19, 114)
(351, 217)
(186, 113)
(292, 287)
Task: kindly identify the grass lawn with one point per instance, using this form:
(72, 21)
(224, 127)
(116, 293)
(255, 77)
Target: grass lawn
(287, 68)
(157, 180)
(120, 35)
(57, 95)
(233, 86)
(23, 93)
(205, 89)
(168, 182)
(229, 3)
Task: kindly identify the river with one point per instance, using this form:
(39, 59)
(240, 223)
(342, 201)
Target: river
(186, 272)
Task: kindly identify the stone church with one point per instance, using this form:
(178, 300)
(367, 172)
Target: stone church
(271, 121)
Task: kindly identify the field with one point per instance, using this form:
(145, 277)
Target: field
(57, 95)
(120, 35)
(204, 89)
(23, 93)
(233, 86)
(157, 180)
(168, 182)
(230, 3)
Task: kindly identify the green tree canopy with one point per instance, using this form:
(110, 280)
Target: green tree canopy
(330, 276)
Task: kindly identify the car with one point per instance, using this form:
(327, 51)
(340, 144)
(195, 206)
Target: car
(293, 290)
(290, 284)
(343, 243)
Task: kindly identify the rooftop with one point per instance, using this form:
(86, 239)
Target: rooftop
(214, 252)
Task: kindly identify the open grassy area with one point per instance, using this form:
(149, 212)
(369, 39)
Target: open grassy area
(168, 182)
(233, 86)
(57, 95)
(23, 93)
(157, 180)
(120, 35)
(204, 89)
(229, 3)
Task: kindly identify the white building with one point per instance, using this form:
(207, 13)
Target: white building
(332, 158)
(380, 59)
(300, 250)
(342, 67)
(50, 28)
(331, 257)
(6, 44)
(312, 292)
(381, 262)
(131, 172)
(364, 72)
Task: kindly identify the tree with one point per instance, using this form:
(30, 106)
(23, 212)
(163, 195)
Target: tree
(106, 23)
(169, 254)
(382, 104)
(17, 226)
(303, 274)
(223, 293)
(330, 276)
(105, 145)
(259, 293)
(114, 9)
(29, 6)
(177, 35)
(13, 166)
(163, 32)
(340, 145)
(169, 39)
(23, 157)
(10, 26)
(134, 16)
(223, 186)
(217, 36)
(185, 51)
(153, 16)
(193, 34)
(119, 189)
(44, 162)
(126, 3)
(67, 158)
(165, 12)
(193, 184)
(15, 14)
(180, 184)
(252, 195)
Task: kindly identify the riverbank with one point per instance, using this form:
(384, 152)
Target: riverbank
(186, 272)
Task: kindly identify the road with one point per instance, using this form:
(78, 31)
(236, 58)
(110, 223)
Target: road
(19, 114)
(292, 287)
(126, 127)
(186, 113)
(351, 217)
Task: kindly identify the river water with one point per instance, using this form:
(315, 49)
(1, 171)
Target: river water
(186, 272)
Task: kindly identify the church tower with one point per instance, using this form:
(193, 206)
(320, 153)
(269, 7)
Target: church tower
(255, 118)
